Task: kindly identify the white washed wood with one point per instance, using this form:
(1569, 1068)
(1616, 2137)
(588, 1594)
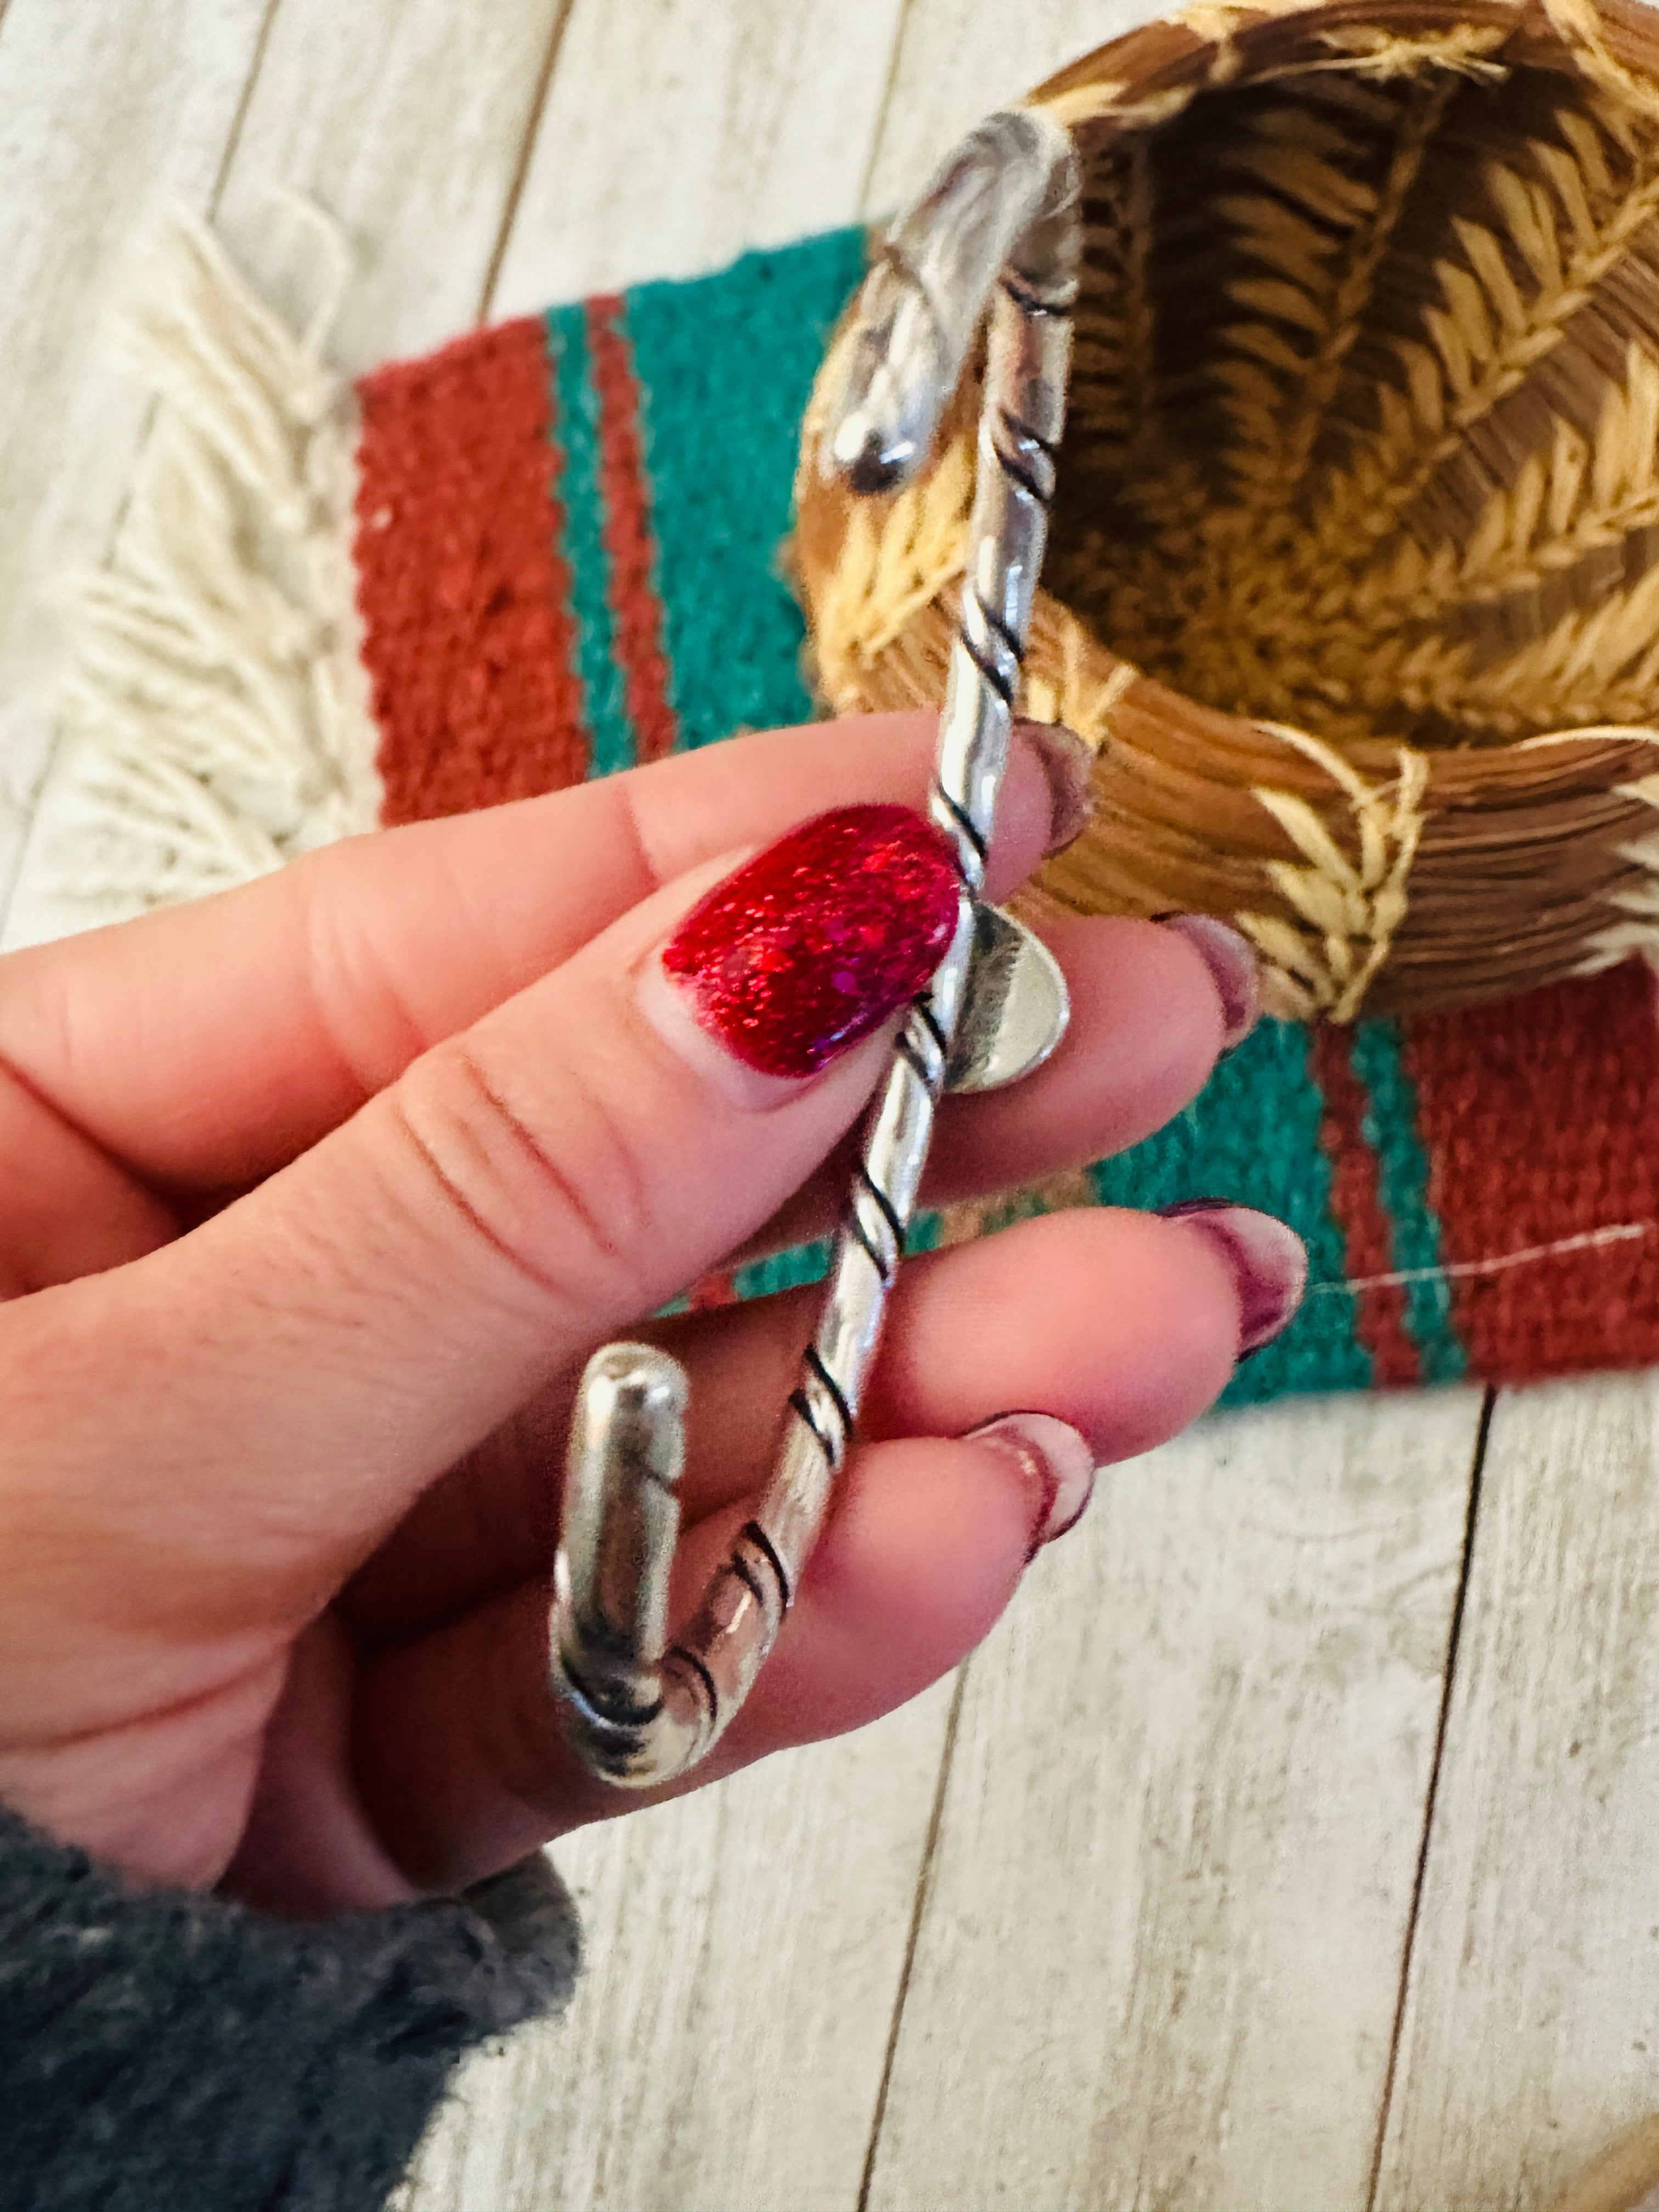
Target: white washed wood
(1160, 1955)
(1532, 2026)
(677, 134)
(406, 121)
(955, 65)
(109, 108)
(726, 2047)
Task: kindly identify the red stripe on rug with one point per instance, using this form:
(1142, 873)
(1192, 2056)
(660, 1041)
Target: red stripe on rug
(1357, 1206)
(1540, 1119)
(468, 636)
(629, 546)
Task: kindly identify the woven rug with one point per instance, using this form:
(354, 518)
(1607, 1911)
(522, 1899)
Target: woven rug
(566, 538)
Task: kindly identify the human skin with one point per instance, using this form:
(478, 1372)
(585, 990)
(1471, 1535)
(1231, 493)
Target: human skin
(316, 1197)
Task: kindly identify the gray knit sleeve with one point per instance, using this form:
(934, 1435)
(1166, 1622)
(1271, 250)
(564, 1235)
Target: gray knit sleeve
(163, 2050)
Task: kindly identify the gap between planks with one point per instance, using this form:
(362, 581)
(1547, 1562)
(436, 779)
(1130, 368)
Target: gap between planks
(54, 740)
(313, 96)
(1531, 2033)
(1408, 1948)
(924, 1883)
(526, 149)
(1159, 1961)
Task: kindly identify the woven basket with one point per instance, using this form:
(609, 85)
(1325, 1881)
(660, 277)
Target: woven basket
(1353, 581)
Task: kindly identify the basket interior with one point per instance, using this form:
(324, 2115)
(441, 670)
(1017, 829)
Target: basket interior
(1365, 417)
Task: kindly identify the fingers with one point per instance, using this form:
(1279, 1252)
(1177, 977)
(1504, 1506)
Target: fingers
(208, 1044)
(460, 1762)
(66, 1208)
(281, 1384)
(1147, 1020)
(1124, 1325)
(1147, 1023)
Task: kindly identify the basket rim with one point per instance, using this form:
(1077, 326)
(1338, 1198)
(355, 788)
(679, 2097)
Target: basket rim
(1332, 912)
(1158, 68)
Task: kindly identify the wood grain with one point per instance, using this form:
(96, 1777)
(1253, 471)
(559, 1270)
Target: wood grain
(108, 109)
(955, 64)
(1161, 1952)
(676, 135)
(726, 2047)
(1531, 2030)
(407, 121)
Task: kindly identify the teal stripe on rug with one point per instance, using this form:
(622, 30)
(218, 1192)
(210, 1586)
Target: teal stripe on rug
(1390, 1129)
(724, 364)
(1253, 1136)
(782, 1271)
(576, 431)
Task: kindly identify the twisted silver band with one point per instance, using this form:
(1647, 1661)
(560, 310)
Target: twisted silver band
(999, 226)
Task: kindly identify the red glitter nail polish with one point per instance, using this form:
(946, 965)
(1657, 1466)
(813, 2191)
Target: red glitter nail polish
(814, 943)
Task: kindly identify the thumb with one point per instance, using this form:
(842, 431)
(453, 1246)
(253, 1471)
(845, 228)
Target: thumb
(268, 1395)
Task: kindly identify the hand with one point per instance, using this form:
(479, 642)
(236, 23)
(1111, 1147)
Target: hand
(316, 1199)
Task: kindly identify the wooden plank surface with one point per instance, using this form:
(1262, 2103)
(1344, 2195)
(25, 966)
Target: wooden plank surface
(407, 121)
(1160, 1956)
(109, 109)
(1531, 2031)
(725, 2050)
(676, 135)
(955, 64)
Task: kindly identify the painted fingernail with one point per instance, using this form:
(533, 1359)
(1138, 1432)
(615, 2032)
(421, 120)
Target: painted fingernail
(1233, 967)
(1056, 1464)
(811, 944)
(1269, 1260)
(1068, 767)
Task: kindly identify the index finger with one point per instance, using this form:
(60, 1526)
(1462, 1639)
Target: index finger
(206, 1045)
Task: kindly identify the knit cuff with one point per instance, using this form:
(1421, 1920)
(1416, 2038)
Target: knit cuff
(161, 2047)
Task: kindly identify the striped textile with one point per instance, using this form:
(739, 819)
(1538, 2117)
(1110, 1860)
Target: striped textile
(569, 560)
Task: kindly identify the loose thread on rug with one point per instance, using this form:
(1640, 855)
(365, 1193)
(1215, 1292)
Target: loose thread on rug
(1590, 1240)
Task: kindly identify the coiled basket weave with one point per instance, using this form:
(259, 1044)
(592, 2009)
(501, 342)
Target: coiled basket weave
(1354, 574)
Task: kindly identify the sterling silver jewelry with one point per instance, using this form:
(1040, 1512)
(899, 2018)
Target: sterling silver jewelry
(997, 230)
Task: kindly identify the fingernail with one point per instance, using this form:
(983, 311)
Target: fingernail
(1269, 1260)
(1068, 768)
(811, 944)
(1055, 1463)
(1233, 967)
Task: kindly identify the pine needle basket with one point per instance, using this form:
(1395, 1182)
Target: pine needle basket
(1353, 580)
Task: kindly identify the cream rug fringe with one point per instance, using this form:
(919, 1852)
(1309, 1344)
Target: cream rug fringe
(214, 715)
